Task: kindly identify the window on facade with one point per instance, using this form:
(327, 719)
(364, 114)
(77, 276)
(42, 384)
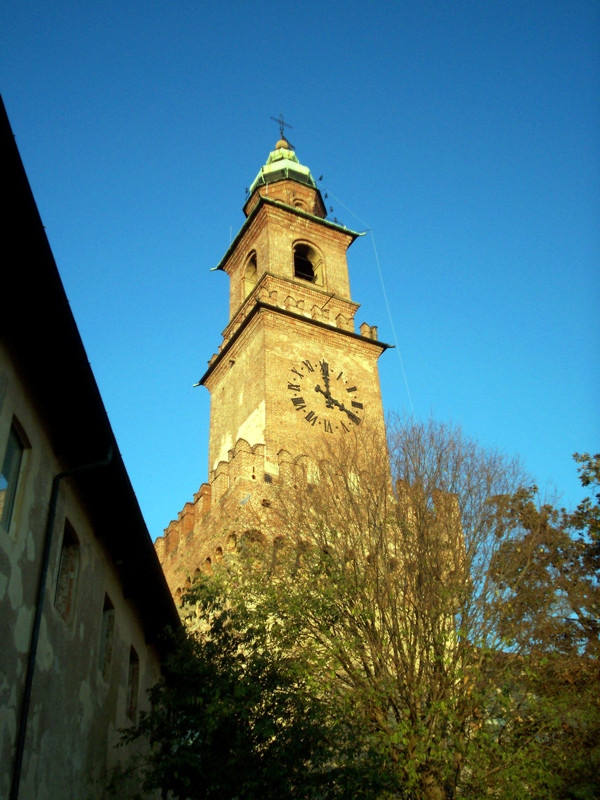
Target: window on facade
(133, 682)
(303, 266)
(9, 477)
(107, 635)
(250, 274)
(68, 572)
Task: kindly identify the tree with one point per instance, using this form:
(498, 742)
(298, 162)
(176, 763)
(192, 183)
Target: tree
(410, 623)
(235, 717)
(412, 573)
(586, 517)
(559, 589)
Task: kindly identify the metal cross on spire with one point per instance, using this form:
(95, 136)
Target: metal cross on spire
(282, 124)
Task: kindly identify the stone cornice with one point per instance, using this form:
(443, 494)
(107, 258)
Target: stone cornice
(284, 207)
(262, 306)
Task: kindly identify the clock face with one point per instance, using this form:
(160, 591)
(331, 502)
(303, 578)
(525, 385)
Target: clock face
(325, 396)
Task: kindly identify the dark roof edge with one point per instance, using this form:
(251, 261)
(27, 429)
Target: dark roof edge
(260, 306)
(262, 200)
(50, 305)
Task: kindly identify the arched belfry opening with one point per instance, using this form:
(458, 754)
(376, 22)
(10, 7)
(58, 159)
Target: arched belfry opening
(250, 274)
(307, 263)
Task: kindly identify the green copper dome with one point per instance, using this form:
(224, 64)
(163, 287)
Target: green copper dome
(282, 163)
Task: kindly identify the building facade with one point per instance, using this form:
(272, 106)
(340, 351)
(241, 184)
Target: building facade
(83, 601)
(290, 371)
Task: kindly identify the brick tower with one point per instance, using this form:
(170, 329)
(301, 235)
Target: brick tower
(290, 370)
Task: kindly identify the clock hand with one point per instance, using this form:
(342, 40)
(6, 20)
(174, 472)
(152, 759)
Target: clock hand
(325, 373)
(326, 394)
(343, 408)
(331, 401)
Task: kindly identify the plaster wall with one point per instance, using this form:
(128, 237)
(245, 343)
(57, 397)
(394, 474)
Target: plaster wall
(237, 408)
(76, 710)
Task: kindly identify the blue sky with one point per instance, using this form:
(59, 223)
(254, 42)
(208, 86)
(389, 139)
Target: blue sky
(464, 134)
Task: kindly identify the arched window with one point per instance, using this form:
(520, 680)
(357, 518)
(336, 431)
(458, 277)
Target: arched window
(250, 274)
(308, 263)
(303, 265)
(68, 572)
(9, 475)
(107, 635)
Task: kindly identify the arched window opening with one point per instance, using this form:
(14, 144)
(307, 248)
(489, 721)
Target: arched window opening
(303, 265)
(9, 476)
(207, 567)
(107, 635)
(68, 571)
(250, 274)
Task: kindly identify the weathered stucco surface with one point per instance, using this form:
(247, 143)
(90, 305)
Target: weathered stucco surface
(75, 713)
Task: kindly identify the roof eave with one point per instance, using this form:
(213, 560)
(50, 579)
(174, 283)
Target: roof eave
(262, 200)
(262, 306)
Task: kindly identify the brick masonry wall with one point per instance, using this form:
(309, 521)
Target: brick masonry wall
(289, 373)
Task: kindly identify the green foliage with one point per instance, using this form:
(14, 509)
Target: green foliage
(425, 631)
(235, 715)
(586, 517)
(551, 600)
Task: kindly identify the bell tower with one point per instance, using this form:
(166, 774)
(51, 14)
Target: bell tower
(290, 369)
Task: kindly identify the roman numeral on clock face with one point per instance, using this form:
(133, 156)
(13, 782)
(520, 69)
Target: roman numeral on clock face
(311, 417)
(295, 387)
(352, 389)
(299, 403)
(308, 366)
(327, 426)
(356, 404)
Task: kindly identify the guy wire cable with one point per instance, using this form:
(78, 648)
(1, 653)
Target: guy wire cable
(387, 304)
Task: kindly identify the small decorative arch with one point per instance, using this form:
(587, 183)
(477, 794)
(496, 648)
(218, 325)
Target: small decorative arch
(207, 567)
(219, 554)
(250, 274)
(308, 263)
(253, 536)
(232, 543)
